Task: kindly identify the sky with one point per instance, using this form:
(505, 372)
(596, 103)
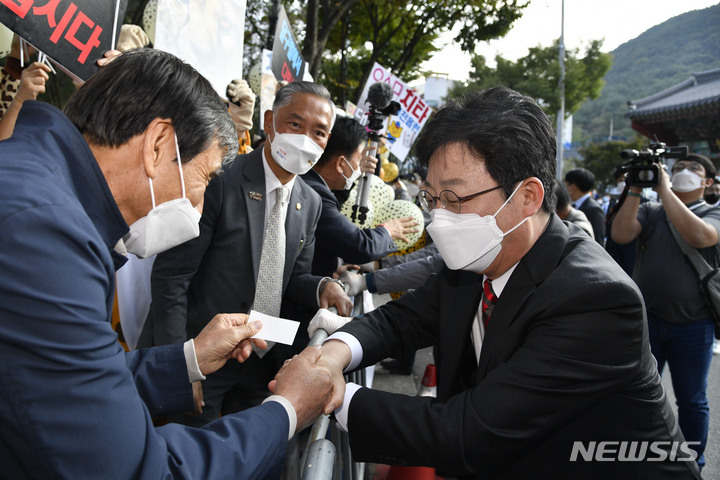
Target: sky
(615, 21)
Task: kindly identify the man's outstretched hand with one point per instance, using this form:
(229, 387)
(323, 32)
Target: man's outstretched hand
(226, 336)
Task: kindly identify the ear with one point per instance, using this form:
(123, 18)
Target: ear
(158, 144)
(337, 161)
(268, 123)
(533, 194)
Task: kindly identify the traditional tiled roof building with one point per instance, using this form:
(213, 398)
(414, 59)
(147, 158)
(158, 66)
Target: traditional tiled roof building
(687, 113)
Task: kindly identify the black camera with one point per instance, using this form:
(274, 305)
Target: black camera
(377, 116)
(381, 106)
(643, 167)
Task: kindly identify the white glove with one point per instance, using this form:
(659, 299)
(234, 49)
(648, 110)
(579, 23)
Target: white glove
(131, 36)
(368, 267)
(242, 104)
(354, 282)
(326, 320)
(239, 92)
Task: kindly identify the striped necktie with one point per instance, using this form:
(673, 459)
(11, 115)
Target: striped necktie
(488, 302)
(268, 289)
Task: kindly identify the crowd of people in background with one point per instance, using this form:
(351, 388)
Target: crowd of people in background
(229, 227)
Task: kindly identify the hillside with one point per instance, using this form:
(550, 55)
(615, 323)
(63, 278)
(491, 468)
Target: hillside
(659, 58)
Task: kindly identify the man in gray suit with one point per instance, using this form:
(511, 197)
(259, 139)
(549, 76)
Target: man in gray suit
(217, 272)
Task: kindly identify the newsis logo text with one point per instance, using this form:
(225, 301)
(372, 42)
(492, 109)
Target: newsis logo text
(633, 451)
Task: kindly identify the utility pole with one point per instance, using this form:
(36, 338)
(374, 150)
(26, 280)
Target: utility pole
(561, 113)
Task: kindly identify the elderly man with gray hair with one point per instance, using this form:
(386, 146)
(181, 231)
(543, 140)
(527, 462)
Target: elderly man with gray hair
(254, 252)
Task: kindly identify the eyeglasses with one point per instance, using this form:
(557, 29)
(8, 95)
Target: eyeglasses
(692, 166)
(448, 199)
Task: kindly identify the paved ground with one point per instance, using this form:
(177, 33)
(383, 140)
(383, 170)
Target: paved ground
(408, 384)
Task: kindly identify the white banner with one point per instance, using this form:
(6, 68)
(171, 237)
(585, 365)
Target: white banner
(207, 35)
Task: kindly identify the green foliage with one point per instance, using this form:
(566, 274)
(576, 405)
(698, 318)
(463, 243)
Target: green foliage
(661, 57)
(538, 75)
(401, 34)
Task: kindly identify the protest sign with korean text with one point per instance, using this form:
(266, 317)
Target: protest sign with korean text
(401, 129)
(73, 33)
(288, 63)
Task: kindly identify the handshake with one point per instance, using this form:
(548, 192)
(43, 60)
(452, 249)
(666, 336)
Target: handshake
(313, 381)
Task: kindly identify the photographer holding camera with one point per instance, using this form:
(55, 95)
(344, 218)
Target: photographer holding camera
(680, 324)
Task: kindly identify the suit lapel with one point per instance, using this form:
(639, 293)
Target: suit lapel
(532, 270)
(458, 364)
(255, 199)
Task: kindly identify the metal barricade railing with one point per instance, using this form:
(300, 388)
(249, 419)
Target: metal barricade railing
(316, 457)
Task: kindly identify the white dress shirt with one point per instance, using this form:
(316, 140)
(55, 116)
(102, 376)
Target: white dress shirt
(578, 203)
(341, 413)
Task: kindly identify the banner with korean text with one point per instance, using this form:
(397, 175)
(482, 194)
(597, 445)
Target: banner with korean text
(288, 63)
(73, 33)
(401, 129)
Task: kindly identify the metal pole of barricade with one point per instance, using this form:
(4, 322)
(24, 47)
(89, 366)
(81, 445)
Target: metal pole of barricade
(319, 458)
(318, 464)
(320, 461)
(352, 470)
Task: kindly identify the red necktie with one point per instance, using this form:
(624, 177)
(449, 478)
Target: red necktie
(488, 302)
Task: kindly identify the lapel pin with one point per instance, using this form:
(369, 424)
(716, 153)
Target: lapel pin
(256, 196)
(298, 206)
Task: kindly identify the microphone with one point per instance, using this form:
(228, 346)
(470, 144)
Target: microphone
(379, 95)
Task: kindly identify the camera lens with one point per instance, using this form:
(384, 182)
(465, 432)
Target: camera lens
(646, 175)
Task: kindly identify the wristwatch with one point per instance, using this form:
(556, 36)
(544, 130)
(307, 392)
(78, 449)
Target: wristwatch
(325, 282)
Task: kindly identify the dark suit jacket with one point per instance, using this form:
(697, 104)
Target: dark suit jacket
(216, 272)
(594, 212)
(336, 236)
(73, 403)
(565, 358)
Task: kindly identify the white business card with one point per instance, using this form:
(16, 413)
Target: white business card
(274, 329)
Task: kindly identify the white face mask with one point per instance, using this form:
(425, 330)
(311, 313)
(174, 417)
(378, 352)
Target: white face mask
(295, 152)
(166, 226)
(349, 181)
(686, 181)
(468, 241)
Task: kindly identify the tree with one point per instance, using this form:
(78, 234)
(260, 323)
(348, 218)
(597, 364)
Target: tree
(401, 32)
(386, 31)
(318, 31)
(537, 75)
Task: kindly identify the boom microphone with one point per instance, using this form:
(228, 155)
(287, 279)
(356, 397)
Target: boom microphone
(379, 95)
